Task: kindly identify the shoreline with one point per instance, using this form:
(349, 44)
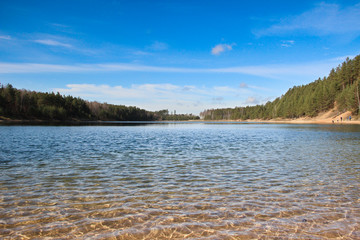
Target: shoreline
(306, 121)
(249, 121)
(325, 118)
(330, 117)
(333, 116)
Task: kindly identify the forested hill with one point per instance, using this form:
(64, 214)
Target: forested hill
(30, 105)
(340, 87)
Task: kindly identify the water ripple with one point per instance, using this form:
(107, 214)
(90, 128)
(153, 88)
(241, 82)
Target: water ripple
(195, 181)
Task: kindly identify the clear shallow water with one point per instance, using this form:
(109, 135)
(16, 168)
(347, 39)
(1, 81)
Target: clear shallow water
(161, 181)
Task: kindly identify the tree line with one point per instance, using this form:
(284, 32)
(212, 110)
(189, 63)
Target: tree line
(31, 105)
(341, 87)
(165, 115)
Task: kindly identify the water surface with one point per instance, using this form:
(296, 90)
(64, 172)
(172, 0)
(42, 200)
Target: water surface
(194, 180)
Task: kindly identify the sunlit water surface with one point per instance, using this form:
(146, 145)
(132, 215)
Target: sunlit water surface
(194, 180)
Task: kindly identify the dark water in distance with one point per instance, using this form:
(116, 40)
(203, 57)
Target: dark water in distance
(194, 181)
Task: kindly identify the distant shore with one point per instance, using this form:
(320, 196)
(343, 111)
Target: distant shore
(252, 121)
(330, 117)
(77, 122)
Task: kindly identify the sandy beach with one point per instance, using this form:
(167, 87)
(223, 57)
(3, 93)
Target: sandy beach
(330, 117)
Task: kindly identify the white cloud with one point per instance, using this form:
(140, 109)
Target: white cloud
(6, 37)
(119, 92)
(220, 48)
(287, 43)
(40, 68)
(282, 71)
(51, 42)
(66, 43)
(160, 96)
(83, 68)
(225, 89)
(141, 53)
(275, 71)
(60, 27)
(324, 19)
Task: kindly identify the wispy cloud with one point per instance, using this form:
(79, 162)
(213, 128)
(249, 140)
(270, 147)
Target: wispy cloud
(51, 42)
(141, 53)
(39, 68)
(276, 71)
(61, 27)
(279, 71)
(6, 37)
(226, 89)
(287, 43)
(42, 45)
(220, 48)
(324, 19)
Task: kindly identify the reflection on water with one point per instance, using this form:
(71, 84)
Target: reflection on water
(201, 181)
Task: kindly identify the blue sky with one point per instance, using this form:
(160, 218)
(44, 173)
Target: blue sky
(178, 55)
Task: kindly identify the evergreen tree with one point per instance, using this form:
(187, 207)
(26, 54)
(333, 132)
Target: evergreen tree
(340, 87)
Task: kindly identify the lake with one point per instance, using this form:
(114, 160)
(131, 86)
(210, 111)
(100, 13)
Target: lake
(180, 180)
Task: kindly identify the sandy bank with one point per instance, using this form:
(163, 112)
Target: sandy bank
(330, 117)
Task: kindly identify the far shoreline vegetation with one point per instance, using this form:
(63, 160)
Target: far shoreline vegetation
(339, 90)
(30, 106)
